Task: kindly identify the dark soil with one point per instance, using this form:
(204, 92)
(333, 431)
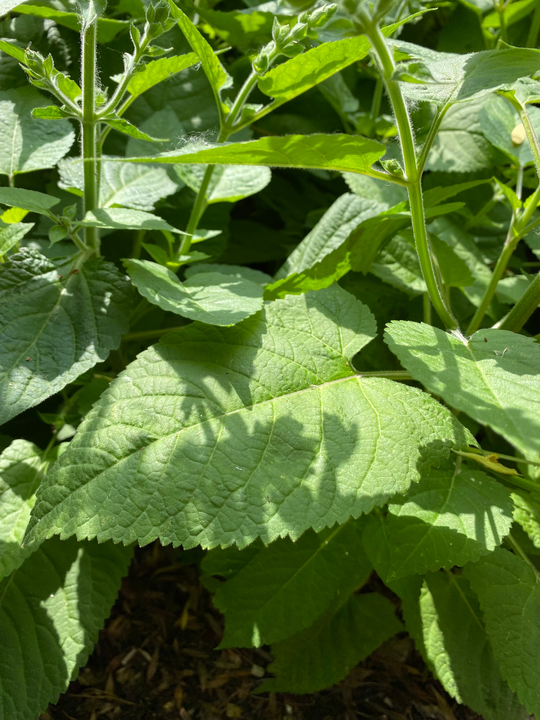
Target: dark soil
(156, 659)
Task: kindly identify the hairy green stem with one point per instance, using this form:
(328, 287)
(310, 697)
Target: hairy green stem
(196, 213)
(524, 308)
(88, 122)
(227, 129)
(523, 554)
(413, 173)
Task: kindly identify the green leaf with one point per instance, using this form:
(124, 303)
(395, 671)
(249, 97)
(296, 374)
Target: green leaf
(51, 611)
(247, 273)
(217, 76)
(27, 200)
(292, 78)
(447, 519)
(458, 78)
(527, 514)
(493, 376)
(465, 247)
(357, 252)
(134, 186)
(509, 593)
(11, 234)
(209, 297)
(107, 28)
(368, 188)
(52, 112)
(498, 119)
(273, 406)
(332, 230)
(460, 145)
(120, 218)
(56, 322)
(159, 70)
(9, 47)
(327, 152)
(286, 586)
(325, 653)
(228, 183)
(397, 264)
(444, 618)
(21, 471)
(28, 144)
(127, 128)
(353, 251)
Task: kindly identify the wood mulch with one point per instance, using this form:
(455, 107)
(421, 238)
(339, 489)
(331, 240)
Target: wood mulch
(156, 659)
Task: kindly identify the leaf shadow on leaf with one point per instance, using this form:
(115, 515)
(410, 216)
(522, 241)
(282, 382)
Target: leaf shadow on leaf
(454, 384)
(30, 629)
(403, 545)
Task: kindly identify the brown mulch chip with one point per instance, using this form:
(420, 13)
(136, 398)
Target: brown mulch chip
(156, 658)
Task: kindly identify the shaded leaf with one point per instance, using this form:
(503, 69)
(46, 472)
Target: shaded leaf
(447, 519)
(493, 376)
(286, 586)
(56, 321)
(51, 611)
(444, 618)
(509, 593)
(21, 470)
(324, 654)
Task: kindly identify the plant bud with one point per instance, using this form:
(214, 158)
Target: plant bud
(299, 31)
(260, 62)
(135, 36)
(292, 49)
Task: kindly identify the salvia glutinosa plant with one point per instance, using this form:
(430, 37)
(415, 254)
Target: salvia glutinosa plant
(336, 377)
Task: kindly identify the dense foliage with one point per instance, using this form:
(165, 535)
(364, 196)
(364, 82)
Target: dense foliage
(339, 375)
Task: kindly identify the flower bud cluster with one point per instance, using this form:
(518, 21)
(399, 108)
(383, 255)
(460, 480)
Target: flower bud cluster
(286, 40)
(43, 74)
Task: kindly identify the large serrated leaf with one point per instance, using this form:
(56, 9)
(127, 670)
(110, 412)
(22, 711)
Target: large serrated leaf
(27, 143)
(21, 470)
(219, 436)
(444, 618)
(509, 593)
(323, 654)
(447, 519)
(56, 321)
(51, 610)
(493, 376)
(286, 586)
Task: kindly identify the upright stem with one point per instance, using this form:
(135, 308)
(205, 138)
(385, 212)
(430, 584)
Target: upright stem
(88, 81)
(197, 211)
(532, 37)
(518, 225)
(227, 129)
(413, 173)
(524, 308)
